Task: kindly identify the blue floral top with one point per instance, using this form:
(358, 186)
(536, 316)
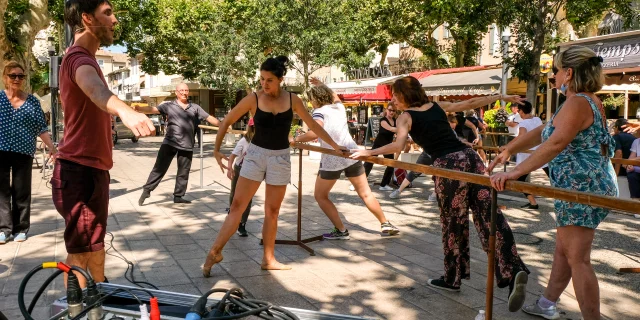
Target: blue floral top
(20, 127)
(581, 166)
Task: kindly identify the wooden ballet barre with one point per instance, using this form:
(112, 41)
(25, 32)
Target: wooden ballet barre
(613, 160)
(628, 206)
(218, 129)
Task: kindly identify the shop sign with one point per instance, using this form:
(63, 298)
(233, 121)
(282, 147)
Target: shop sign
(546, 63)
(617, 53)
(462, 91)
(619, 78)
(362, 90)
(368, 73)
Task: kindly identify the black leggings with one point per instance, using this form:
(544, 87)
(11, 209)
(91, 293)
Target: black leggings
(388, 172)
(523, 178)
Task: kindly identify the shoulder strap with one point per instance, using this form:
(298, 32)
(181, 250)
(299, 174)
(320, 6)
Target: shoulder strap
(597, 109)
(256, 94)
(290, 100)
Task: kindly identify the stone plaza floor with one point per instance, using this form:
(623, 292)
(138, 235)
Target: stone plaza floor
(369, 276)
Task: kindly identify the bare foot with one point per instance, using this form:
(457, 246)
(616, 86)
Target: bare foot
(212, 259)
(275, 265)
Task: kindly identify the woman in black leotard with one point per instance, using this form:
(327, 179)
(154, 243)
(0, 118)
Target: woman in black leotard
(384, 137)
(267, 158)
(427, 123)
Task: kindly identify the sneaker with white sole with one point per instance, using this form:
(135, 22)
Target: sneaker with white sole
(535, 309)
(3, 238)
(387, 229)
(395, 194)
(433, 197)
(352, 188)
(385, 188)
(518, 291)
(336, 234)
(20, 237)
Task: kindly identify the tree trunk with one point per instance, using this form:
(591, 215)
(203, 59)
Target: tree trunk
(34, 20)
(383, 57)
(538, 45)
(3, 38)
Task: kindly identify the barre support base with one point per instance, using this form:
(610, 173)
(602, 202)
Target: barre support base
(299, 241)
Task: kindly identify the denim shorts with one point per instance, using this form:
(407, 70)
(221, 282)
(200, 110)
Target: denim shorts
(272, 166)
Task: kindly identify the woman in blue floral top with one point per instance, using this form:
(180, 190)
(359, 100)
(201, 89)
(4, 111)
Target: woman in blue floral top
(577, 145)
(21, 122)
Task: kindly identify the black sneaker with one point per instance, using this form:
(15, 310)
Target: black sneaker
(145, 194)
(529, 206)
(517, 291)
(180, 200)
(242, 231)
(336, 234)
(441, 284)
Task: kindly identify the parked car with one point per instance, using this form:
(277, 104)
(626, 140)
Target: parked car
(120, 131)
(157, 122)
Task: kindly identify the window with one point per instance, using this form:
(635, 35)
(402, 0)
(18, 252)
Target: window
(101, 63)
(494, 39)
(447, 32)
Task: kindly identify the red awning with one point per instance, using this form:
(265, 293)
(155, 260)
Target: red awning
(383, 92)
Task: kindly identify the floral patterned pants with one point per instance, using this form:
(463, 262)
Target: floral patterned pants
(455, 198)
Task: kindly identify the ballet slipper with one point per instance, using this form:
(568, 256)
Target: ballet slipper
(210, 262)
(274, 266)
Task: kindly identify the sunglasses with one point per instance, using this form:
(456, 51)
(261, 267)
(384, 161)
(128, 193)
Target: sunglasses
(554, 70)
(17, 76)
(552, 81)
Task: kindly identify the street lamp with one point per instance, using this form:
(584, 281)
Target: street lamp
(53, 86)
(506, 36)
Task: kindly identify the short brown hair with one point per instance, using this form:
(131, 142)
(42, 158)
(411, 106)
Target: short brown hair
(586, 65)
(11, 65)
(74, 9)
(410, 89)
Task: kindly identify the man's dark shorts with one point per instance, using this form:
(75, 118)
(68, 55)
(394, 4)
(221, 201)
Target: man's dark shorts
(81, 196)
(353, 170)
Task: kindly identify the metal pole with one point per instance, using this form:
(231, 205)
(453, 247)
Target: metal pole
(299, 235)
(201, 159)
(492, 255)
(506, 35)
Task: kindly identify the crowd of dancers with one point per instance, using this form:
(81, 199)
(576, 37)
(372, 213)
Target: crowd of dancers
(573, 148)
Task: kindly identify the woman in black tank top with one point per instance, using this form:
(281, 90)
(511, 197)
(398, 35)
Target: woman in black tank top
(267, 158)
(427, 123)
(384, 137)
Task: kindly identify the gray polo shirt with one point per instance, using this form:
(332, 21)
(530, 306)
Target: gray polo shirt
(181, 124)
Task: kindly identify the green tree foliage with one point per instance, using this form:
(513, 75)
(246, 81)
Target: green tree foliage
(534, 21)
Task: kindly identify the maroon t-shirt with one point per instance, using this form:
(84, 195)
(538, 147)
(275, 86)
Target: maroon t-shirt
(87, 129)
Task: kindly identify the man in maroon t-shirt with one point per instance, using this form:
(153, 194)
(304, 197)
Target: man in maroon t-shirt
(80, 181)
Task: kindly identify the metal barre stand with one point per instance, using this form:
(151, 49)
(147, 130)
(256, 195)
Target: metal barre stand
(299, 241)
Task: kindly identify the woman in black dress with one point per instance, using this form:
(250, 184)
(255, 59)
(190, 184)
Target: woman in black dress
(385, 136)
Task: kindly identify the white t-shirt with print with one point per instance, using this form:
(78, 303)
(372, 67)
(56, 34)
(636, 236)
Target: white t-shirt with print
(334, 118)
(514, 118)
(240, 150)
(529, 125)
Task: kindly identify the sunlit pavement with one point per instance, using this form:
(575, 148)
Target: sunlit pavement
(366, 276)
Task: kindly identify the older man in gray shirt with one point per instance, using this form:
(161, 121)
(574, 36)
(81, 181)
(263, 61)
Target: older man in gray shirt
(183, 117)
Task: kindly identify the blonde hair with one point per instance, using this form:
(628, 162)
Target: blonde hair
(7, 67)
(321, 94)
(470, 113)
(586, 65)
